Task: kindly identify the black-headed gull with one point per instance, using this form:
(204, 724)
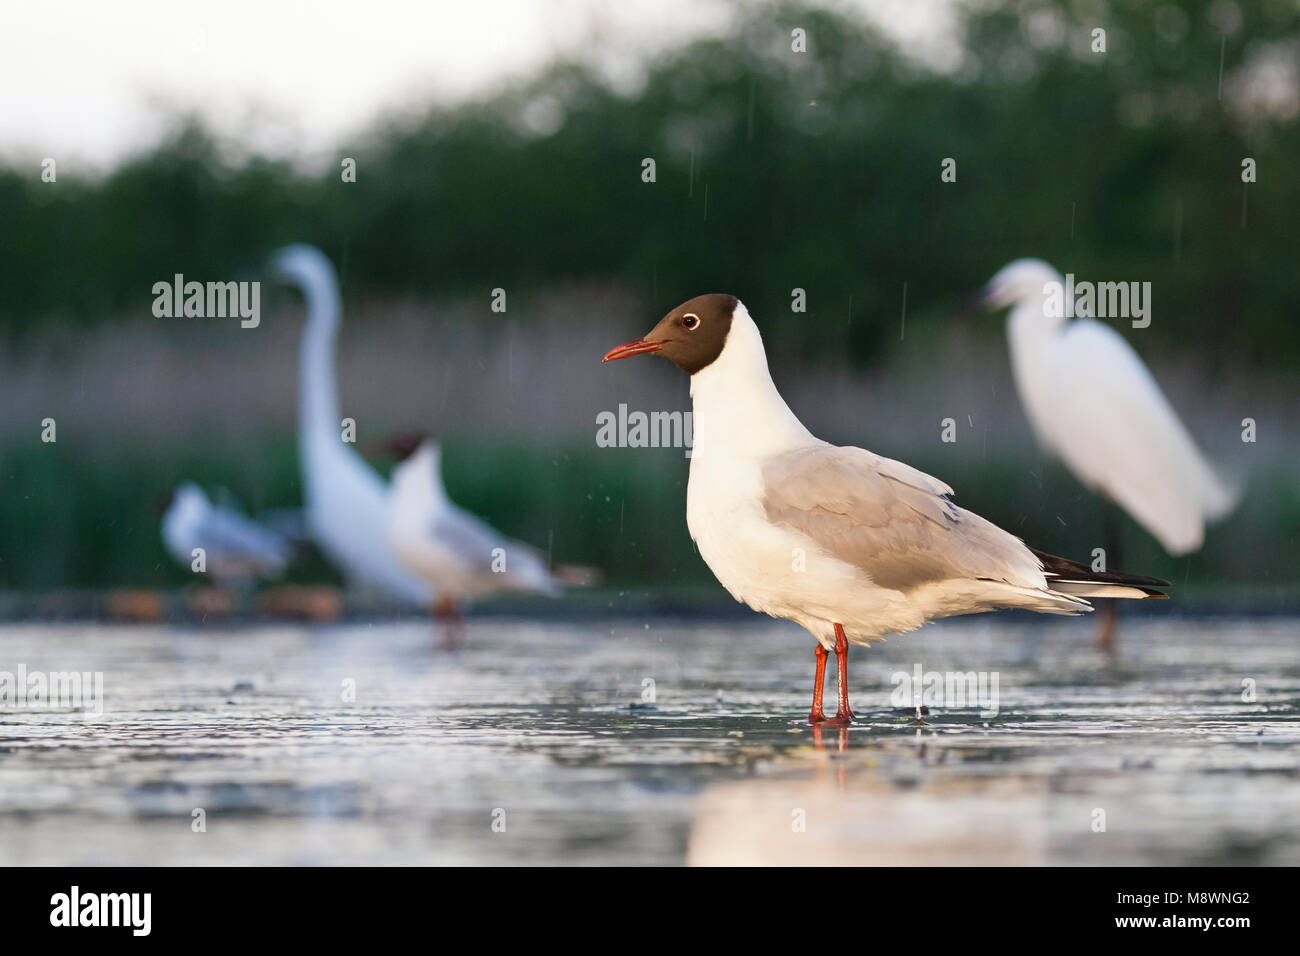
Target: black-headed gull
(461, 556)
(850, 545)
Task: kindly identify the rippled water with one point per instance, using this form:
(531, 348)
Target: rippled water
(541, 728)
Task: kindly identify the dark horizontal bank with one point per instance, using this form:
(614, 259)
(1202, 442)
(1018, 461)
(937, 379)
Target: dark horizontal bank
(324, 605)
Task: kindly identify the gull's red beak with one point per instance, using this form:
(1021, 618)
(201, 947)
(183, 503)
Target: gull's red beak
(635, 347)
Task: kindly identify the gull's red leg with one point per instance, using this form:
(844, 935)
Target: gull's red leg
(817, 715)
(845, 713)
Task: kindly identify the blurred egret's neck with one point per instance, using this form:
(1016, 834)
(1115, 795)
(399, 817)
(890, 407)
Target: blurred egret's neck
(318, 393)
(1030, 323)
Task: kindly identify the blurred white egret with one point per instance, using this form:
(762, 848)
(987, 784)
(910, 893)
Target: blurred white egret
(236, 548)
(345, 499)
(460, 555)
(1094, 404)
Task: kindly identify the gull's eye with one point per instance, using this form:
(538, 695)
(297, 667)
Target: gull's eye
(690, 321)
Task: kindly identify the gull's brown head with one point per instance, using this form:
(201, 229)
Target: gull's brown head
(691, 335)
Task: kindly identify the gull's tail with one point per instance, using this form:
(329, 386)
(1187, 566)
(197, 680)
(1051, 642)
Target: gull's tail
(1071, 577)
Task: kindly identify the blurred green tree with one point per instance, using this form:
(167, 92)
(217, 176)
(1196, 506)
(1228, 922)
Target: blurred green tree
(775, 169)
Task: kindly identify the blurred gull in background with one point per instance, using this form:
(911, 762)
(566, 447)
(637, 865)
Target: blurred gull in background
(345, 499)
(1094, 404)
(461, 556)
(236, 548)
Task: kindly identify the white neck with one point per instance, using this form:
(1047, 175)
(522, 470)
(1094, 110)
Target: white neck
(1029, 317)
(318, 391)
(417, 487)
(1029, 329)
(736, 406)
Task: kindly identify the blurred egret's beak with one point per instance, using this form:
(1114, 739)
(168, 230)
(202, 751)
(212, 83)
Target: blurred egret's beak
(635, 347)
(981, 301)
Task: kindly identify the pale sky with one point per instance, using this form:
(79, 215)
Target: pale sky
(90, 80)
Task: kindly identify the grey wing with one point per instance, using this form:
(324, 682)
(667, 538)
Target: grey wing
(889, 519)
(228, 533)
(288, 523)
(474, 542)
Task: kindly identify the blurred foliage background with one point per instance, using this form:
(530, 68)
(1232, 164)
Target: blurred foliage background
(774, 170)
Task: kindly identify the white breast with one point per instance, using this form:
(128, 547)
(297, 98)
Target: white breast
(740, 420)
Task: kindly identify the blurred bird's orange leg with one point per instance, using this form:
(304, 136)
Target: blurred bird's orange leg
(1113, 533)
(817, 715)
(1106, 625)
(453, 634)
(844, 713)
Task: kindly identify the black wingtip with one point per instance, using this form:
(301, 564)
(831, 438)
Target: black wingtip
(1064, 567)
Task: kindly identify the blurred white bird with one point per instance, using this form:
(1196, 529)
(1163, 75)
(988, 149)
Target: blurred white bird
(1094, 404)
(345, 499)
(236, 549)
(460, 555)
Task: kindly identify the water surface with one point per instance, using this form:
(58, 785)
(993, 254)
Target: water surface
(544, 743)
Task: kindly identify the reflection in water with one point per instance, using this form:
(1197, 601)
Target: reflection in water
(533, 744)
